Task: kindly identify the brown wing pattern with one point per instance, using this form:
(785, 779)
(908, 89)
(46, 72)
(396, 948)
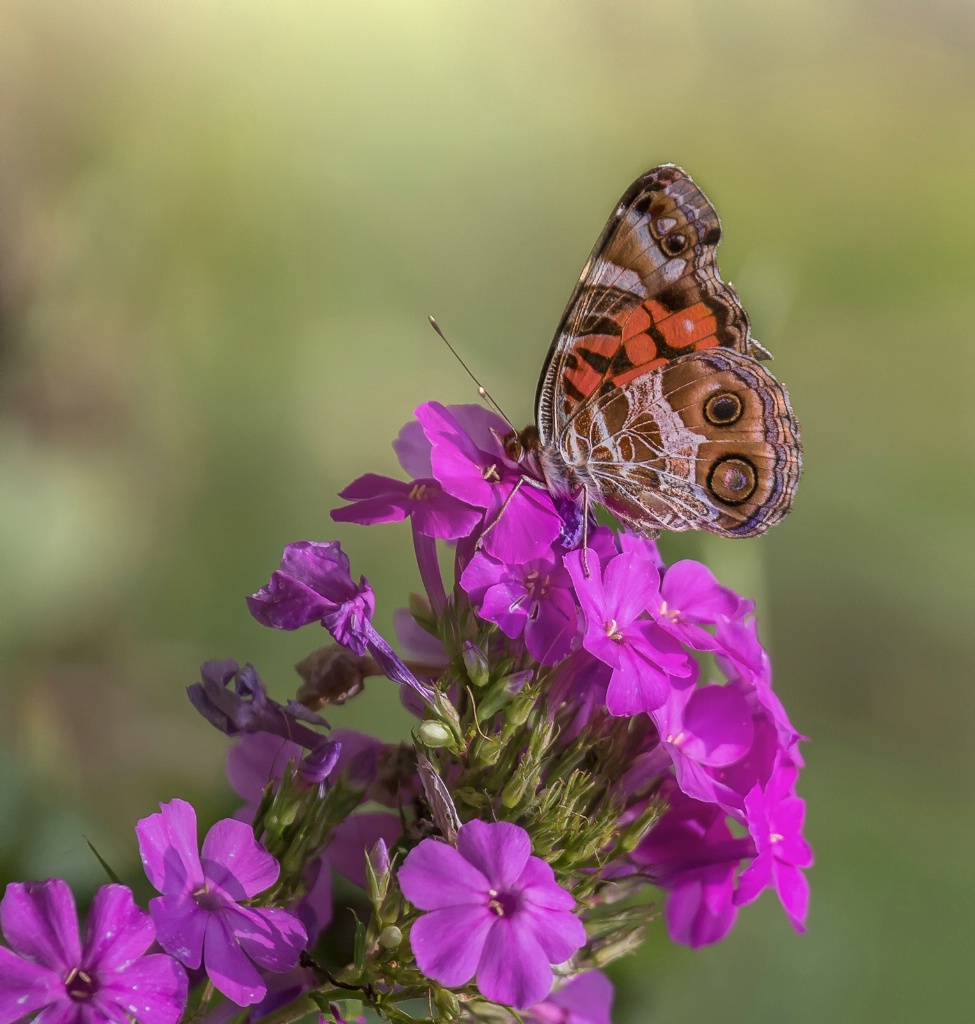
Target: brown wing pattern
(707, 443)
(649, 293)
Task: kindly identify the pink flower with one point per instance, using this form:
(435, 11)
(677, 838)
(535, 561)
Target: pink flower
(495, 912)
(201, 917)
(106, 978)
(643, 657)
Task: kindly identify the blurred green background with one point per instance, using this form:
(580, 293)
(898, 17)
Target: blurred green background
(222, 226)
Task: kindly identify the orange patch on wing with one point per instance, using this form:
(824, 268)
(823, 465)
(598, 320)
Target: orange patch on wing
(689, 328)
(637, 322)
(584, 379)
(709, 342)
(640, 349)
(638, 371)
(601, 344)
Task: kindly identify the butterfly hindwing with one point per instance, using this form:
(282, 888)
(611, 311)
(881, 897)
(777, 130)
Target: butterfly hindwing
(708, 442)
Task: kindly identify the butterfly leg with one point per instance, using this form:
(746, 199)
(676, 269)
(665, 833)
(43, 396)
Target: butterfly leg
(497, 519)
(585, 531)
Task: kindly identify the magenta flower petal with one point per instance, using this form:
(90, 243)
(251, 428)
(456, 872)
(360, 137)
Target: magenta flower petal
(585, 999)
(539, 888)
(40, 921)
(435, 875)
(180, 927)
(413, 450)
(235, 862)
(381, 499)
(153, 989)
(229, 967)
(206, 920)
(499, 850)
(26, 986)
(507, 921)
(270, 936)
(117, 931)
(448, 943)
(514, 969)
(167, 842)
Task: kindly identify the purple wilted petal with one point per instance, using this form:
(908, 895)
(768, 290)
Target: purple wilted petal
(315, 768)
(494, 911)
(314, 585)
(246, 708)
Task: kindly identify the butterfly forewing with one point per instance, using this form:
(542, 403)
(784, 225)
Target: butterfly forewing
(648, 293)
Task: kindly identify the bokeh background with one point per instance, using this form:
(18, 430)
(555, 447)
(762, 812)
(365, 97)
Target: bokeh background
(222, 226)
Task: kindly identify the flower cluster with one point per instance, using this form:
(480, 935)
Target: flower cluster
(596, 731)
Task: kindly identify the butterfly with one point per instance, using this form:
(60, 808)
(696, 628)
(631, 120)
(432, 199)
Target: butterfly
(653, 400)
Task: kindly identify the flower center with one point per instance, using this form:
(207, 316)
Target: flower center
(207, 900)
(776, 837)
(612, 631)
(79, 985)
(491, 473)
(667, 613)
(537, 585)
(676, 738)
(419, 492)
(504, 904)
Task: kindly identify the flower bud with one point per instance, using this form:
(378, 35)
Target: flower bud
(514, 790)
(433, 735)
(476, 663)
(390, 937)
(316, 766)
(485, 751)
(447, 1003)
(377, 871)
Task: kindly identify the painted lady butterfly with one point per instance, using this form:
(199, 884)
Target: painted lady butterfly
(653, 401)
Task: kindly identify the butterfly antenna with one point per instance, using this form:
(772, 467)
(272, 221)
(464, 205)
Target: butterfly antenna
(481, 390)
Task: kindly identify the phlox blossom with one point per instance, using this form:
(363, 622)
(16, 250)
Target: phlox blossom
(101, 980)
(201, 917)
(494, 911)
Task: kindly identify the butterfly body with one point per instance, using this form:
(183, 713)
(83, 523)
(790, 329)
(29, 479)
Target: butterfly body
(653, 401)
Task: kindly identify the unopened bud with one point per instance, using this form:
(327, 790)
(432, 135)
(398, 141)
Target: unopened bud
(514, 790)
(520, 708)
(485, 751)
(390, 937)
(447, 1003)
(279, 818)
(476, 663)
(377, 872)
(433, 735)
(316, 766)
